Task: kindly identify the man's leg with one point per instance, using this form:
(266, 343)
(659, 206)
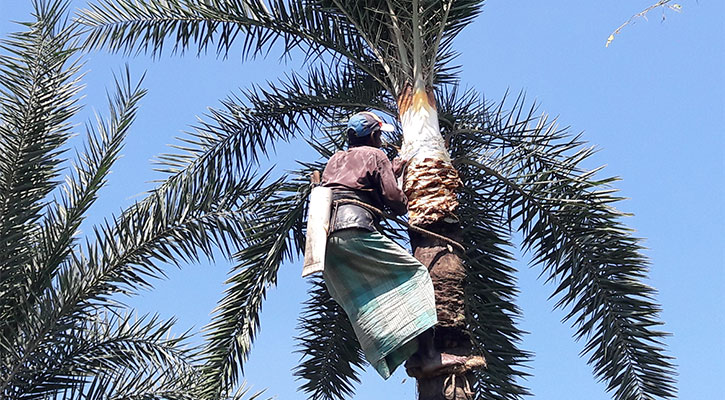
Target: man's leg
(386, 293)
(428, 361)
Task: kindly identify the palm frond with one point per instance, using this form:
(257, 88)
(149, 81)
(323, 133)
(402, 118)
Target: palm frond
(131, 26)
(393, 41)
(134, 26)
(490, 286)
(490, 296)
(177, 223)
(332, 358)
(248, 125)
(273, 233)
(63, 216)
(570, 226)
(491, 311)
(128, 343)
(56, 231)
(180, 223)
(38, 96)
(152, 384)
(448, 22)
(106, 345)
(66, 340)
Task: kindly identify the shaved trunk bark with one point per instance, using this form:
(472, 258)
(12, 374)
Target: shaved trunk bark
(430, 184)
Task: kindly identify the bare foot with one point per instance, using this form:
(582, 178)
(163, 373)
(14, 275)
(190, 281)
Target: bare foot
(420, 366)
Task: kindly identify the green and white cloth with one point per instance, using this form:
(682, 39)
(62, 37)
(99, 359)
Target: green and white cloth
(387, 294)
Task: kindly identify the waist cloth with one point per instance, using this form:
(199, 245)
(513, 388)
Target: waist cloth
(386, 293)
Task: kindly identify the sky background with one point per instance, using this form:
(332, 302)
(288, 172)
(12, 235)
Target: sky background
(652, 103)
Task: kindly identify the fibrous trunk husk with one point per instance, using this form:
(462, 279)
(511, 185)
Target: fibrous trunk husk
(430, 185)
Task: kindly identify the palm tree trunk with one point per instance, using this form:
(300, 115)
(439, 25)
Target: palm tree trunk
(430, 184)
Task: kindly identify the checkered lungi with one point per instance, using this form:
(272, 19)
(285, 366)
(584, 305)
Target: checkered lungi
(386, 293)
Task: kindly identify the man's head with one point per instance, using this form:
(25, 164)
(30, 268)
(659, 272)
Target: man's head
(364, 129)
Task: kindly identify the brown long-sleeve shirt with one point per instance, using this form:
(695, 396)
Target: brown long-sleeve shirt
(366, 168)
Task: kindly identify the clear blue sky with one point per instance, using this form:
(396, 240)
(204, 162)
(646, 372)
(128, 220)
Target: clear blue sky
(652, 102)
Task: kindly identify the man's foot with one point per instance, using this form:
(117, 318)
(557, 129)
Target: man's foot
(419, 366)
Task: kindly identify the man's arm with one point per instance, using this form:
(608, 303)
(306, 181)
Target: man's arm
(398, 166)
(392, 195)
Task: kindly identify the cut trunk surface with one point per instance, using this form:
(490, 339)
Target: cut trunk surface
(430, 183)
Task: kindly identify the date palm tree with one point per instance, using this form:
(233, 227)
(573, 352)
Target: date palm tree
(63, 333)
(480, 173)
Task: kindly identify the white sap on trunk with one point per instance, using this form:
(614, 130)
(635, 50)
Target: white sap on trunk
(421, 133)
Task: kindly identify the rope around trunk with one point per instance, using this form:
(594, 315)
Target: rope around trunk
(414, 228)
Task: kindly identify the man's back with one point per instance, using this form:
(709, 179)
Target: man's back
(367, 169)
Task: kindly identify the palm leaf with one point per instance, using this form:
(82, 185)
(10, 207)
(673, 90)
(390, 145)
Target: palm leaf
(147, 25)
(248, 125)
(332, 357)
(272, 234)
(569, 224)
(63, 216)
(66, 340)
(153, 385)
(61, 219)
(490, 293)
(177, 223)
(393, 41)
(118, 347)
(129, 26)
(490, 285)
(38, 88)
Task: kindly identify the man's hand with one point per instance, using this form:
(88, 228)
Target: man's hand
(399, 165)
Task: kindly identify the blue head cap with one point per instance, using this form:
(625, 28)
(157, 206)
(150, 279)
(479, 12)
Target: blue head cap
(365, 123)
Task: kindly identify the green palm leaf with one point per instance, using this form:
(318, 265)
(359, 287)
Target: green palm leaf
(63, 216)
(38, 88)
(491, 288)
(118, 347)
(61, 220)
(249, 125)
(332, 358)
(569, 224)
(54, 339)
(373, 35)
(272, 234)
(63, 333)
(146, 26)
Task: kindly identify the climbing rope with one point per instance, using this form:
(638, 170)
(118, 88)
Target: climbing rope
(413, 228)
(449, 387)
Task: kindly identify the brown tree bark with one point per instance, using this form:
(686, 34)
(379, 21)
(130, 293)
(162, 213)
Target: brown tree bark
(448, 274)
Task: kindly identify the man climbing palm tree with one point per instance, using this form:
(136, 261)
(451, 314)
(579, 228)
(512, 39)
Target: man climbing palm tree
(387, 293)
